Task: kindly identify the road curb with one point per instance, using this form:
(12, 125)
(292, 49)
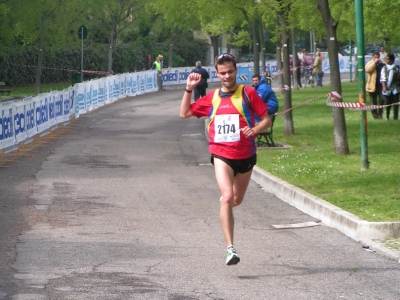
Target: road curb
(379, 248)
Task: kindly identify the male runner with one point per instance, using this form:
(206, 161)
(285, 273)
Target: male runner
(232, 132)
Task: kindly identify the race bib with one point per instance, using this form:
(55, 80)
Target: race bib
(226, 128)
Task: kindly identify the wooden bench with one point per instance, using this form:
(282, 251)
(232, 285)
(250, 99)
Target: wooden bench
(4, 89)
(265, 138)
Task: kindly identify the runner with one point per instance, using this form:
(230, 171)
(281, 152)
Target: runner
(232, 132)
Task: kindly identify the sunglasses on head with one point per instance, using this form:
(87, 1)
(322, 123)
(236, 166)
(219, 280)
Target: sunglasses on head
(219, 57)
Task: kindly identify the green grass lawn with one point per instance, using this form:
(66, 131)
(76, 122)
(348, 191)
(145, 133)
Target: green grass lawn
(30, 90)
(312, 165)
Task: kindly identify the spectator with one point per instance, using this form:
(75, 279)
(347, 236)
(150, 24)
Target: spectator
(301, 53)
(374, 86)
(307, 60)
(149, 61)
(157, 65)
(320, 54)
(161, 61)
(200, 89)
(383, 55)
(298, 67)
(266, 93)
(318, 68)
(389, 90)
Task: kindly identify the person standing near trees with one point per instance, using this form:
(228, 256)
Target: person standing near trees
(158, 65)
(297, 70)
(232, 133)
(307, 60)
(200, 89)
(389, 80)
(383, 54)
(374, 86)
(318, 68)
(149, 61)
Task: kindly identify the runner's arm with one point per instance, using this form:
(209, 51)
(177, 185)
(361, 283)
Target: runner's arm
(192, 80)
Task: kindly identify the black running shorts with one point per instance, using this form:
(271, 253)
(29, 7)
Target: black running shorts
(238, 165)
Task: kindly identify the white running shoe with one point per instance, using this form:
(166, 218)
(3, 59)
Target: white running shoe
(231, 256)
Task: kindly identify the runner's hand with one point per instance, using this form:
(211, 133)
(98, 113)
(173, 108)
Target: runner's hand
(193, 80)
(247, 131)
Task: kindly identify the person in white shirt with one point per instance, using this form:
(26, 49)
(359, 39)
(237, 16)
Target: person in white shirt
(389, 90)
(383, 54)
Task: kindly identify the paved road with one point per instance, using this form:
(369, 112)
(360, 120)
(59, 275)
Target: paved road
(126, 207)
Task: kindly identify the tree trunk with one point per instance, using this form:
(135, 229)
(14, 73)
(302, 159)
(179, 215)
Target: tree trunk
(171, 51)
(287, 92)
(294, 59)
(255, 47)
(262, 44)
(110, 50)
(340, 133)
(279, 58)
(40, 54)
(214, 45)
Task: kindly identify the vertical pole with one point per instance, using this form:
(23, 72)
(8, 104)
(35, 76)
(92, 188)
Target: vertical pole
(82, 56)
(361, 81)
(351, 60)
(314, 43)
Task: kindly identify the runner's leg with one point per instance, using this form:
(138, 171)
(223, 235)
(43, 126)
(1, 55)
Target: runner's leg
(232, 190)
(240, 184)
(225, 179)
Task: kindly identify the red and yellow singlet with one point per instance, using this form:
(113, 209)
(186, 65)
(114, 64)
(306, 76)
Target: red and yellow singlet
(227, 115)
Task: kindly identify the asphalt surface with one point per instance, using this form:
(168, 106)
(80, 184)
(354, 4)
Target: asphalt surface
(126, 207)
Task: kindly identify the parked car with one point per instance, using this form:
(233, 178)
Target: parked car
(345, 51)
(370, 50)
(270, 56)
(246, 58)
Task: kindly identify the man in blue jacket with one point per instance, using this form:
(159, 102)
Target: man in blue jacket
(200, 89)
(266, 93)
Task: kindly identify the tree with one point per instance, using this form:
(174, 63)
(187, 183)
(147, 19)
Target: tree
(249, 11)
(282, 10)
(115, 16)
(386, 15)
(6, 28)
(46, 22)
(340, 133)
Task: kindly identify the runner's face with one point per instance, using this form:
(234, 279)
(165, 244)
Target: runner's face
(227, 75)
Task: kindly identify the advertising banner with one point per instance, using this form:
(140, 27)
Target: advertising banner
(6, 124)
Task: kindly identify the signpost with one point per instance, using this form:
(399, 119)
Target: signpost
(82, 34)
